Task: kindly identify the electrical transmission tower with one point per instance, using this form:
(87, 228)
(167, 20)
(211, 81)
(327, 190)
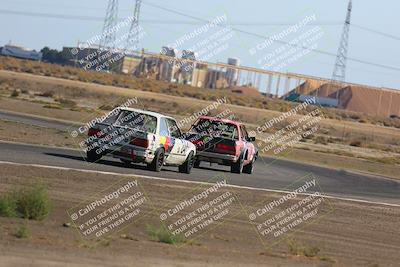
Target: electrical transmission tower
(132, 41)
(109, 34)
(339, 72)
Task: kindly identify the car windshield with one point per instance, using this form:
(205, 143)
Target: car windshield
(216, 128)
(131, 119)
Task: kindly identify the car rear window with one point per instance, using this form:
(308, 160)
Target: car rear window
(135, 120)
(216, 128)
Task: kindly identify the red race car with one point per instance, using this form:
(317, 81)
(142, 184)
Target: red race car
(225, 142)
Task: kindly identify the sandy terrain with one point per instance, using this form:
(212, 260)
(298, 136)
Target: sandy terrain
(348, 234)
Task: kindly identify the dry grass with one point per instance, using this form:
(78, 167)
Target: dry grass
(17, 132)
(338, 235)
(125, 81)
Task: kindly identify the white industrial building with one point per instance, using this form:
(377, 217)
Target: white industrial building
(20, 52)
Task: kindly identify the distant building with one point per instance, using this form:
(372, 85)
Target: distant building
(81, 57)
(188, 54)
(232, 74)
(149, 67)
(370, 100)
(130, 64)
(186, 68)
(168, 67)
(216, 79)
(20, 52)
(199, 77)
(92, 58)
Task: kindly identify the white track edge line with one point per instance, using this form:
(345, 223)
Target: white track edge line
(195, 182)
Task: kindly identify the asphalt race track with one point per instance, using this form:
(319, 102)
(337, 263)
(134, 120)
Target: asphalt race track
(268, 174)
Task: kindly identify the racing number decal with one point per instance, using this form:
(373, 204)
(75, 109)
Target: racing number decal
(184, 147)
(167, 142)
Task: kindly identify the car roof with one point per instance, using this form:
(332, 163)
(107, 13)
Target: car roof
(151, 113)
(220, 120)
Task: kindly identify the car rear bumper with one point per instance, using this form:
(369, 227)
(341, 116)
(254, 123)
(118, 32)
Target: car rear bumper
(224, 159)
(132, 153)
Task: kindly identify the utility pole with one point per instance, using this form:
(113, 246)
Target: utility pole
(339, 72)
(132, 41)
(108, 35)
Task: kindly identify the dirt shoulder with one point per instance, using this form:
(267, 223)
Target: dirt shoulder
(350, 234)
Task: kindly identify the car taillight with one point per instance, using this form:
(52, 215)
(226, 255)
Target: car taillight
(140, 142)
(94, 132)
(198, 143)
(226, 149)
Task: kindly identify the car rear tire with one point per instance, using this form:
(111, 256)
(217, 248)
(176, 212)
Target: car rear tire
(158, 161)
(237, 167)
(92, 156)
(249, 168)
(187, 166)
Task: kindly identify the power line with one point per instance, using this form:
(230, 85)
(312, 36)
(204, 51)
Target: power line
(181, 22)
(92, 18)
(278, 41)
(155, 21)
(48, 15)
(376, 32)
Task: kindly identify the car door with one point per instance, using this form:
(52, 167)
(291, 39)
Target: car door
(247, 144)
(174, 146)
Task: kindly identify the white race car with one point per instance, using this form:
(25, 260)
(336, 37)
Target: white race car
(139, 136)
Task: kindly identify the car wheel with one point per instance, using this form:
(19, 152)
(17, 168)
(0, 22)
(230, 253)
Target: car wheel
(196, 163)
(249, 168)
(187, 166)
(92, 156)
(237, 167)
(158, 161)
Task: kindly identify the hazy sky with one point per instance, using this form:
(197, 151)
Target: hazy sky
(269, 17)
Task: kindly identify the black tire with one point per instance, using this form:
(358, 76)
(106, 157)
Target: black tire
(187, 166)
(158, 161)
(196, 163)
(249, 168)
(237, 167)
(92, 156)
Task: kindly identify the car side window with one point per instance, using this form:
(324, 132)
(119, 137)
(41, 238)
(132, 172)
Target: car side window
(245, 135)
(173, 129)
(163, 127)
